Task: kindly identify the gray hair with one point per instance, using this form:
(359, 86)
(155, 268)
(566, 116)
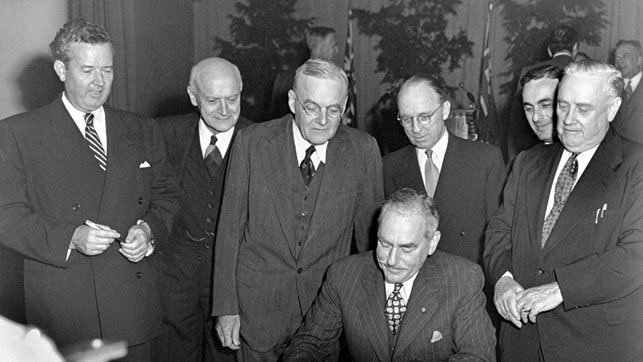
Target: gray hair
(407, 201)
(321, 69)
(613, 79)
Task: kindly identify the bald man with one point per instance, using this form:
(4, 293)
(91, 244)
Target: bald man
(198, 145)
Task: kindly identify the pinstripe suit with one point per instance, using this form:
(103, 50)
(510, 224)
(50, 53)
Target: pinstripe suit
(445, 317)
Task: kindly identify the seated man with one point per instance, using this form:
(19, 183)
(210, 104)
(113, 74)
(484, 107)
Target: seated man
(366, 296)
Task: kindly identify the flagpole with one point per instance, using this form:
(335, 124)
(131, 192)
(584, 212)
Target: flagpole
(486, 104)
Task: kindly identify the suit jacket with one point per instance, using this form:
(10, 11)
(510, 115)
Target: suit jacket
(51, 184)
(181, 135)
(594, 252)
(256, 272)
(467, 193)
(629, 119)
(445, 316)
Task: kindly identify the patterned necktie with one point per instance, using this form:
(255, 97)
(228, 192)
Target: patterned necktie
(306, 167)
(212, 156)
(94, 142)
(395, 308)
(564, 185)
(431, 174)
(628, 91)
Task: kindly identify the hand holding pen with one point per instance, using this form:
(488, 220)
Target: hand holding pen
(93, 238)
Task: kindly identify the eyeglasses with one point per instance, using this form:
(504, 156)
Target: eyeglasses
(423, 118)
(312, 109)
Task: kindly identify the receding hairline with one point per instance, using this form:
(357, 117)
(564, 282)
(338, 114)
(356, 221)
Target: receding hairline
(212, 67)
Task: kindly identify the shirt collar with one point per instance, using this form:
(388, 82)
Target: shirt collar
(405, 292)
(439, 150)
(634, 81)
(223, 138)
(301, 145)
(78, 117)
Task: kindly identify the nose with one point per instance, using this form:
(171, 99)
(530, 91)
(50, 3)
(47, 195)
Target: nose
(322, 119)
(98, 78)
(392, 257)
(416, 125)
(568, 118)
(223, 107)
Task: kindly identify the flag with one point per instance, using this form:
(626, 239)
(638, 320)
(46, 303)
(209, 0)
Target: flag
(350, 115)
(487, 118)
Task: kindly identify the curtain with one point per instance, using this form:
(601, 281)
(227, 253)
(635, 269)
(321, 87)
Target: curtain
(118, 18)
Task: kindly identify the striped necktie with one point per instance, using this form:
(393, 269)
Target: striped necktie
(94, 142)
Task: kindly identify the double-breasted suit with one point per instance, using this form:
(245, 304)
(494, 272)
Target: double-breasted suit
(445, 315)
(629, 119)
(51, 184)
(594, 253)
(262, 271)
(467, 193)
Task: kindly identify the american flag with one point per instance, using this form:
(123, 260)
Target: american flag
(350, 115)
(487, 114)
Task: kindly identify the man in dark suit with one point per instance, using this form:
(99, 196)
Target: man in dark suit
(404, 302)
(629, 120)
(298, 190)
(562, 47)
(565, 250)
(539, 86)
(199, 162)
(465, 178)
(85, 192)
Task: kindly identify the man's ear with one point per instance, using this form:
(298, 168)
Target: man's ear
(291, 100)
(60, 69)
(613, 108)
(192, 97)
(433, 243)
(446, 109)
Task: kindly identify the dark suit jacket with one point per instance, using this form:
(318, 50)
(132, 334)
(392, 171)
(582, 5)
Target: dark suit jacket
(256, 273)
(594, 252)
(467, 193)
(188, 235)
(629, 119)
(50, 185)
(446, 301)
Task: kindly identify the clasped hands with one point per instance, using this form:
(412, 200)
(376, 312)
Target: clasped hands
(95, 240)
(519, 305)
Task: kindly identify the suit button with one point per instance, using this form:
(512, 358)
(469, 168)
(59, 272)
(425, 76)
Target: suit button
(303, 213)
(207, 246)
(199, 258)
(75, 207)
(139, 275)
(300, 270)
(462, 233)
(210, 192)
(210, 206)
(140, 201)
(540, 271)
(299, 243)
(208, 220)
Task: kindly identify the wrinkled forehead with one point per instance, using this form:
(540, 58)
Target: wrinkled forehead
(311, 88)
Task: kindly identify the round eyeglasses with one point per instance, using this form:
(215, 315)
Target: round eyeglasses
(423, 118)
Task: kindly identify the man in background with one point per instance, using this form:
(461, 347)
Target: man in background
(405, 302)
(629, 120)
(565, 250)
(322, 44)
(85, 193)
(299, 189)
(539, 99)
(198, 147)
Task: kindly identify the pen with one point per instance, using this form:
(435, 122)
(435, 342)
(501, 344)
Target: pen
(93, 225)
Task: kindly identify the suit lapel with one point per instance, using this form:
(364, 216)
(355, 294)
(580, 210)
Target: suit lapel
(452, 167)
(65, 142)
(422, 306)
(539, 182)
(593, 183)
(279, 159)
(372, 310)
(411, 170)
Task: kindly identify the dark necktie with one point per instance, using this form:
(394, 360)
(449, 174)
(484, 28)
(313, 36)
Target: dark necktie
(628, 91)
(564, 185)
(431, 174)
(395, 308)
(306, 167)
(94, 142)
(212, 156)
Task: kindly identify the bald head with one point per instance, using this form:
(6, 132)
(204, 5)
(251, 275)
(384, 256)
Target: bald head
(215, 88)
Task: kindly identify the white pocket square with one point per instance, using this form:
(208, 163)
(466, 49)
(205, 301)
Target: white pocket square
(436, 336)
(144, 165)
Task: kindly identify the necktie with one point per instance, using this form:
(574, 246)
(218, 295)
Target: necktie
(628, 91)
(94, 142)
(306, 167)
(431, 174)
(564, 184)
(395, 308)
(212, 156)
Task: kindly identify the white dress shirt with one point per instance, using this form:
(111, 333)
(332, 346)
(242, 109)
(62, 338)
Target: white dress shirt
(437, 156)
(79, 119)
(405, 291)
(301, 145)
(223, 138)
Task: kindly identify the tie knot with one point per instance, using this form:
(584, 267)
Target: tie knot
(89, 118)
(397, 287)
(429, 154)
(213, 140)
(309, 151)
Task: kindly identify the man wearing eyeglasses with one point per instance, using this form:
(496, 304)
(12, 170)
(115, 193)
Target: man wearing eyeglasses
(465, 178)
(299, 189)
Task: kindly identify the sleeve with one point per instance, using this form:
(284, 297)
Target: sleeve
(495, 179)
(473, 334)
(232, 223)
(316, 339)
(165, 191)
(497, 251)
(618, 271)
(35, 235)
(371, 198)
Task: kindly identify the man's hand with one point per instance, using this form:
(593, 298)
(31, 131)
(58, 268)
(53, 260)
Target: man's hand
(227, 328)
(539, 299)
(505, 296)
(136, 243)
(91, 241)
